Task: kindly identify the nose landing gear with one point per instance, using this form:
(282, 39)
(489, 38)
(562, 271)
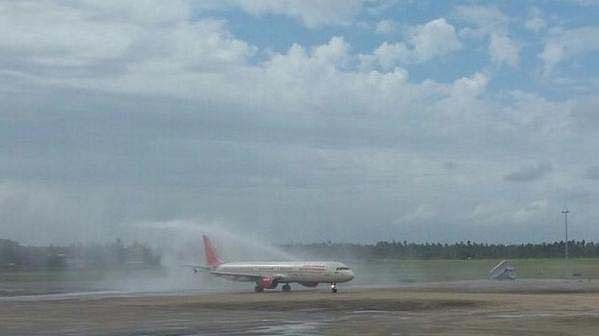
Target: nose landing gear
(333, 287)
(258, 289)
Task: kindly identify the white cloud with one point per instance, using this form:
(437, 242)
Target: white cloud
(146, 12)
(48, 33)
(331, 53)
(433, 39)
(461, 103)
(505, 212)
(490, 22)
(205, 43)
(385, 27)
(504, 50)
(436, 38)
(201, 60)
(317, 81)
(323, 59)
(307, 124)
(90, 33)
(532, 211)
(565, 44)
(485, 20)
(491, 212)
(387, 55)
(470, 86)
(538, 115)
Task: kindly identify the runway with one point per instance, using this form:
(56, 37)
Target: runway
(552, 307)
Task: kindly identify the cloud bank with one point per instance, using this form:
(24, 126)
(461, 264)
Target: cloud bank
(115, 115)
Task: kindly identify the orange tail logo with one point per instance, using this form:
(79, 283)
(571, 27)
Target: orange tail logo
(212, 259)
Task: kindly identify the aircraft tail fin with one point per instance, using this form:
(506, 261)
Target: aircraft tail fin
(212, 259)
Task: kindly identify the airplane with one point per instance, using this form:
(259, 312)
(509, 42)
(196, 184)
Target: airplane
(268, 275)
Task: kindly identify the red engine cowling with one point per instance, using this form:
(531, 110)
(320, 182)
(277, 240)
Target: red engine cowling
(268, 282)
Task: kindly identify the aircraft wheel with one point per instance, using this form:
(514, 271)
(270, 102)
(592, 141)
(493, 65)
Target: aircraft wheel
(333, 288)
(258, 289)
(286, 288)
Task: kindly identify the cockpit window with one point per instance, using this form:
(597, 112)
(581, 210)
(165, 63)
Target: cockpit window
(342, 268)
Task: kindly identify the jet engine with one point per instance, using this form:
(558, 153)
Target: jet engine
(268, 282)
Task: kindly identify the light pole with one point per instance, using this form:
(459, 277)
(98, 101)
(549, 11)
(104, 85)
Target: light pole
(565, 212)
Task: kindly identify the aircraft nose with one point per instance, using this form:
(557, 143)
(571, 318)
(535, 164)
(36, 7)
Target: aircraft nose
(350, 275)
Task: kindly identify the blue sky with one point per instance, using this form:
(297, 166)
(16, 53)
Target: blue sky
(298, 120)
(272, 32)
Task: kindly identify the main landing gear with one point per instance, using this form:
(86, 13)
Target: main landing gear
(333, 287)
(286, 288)
(258, 289)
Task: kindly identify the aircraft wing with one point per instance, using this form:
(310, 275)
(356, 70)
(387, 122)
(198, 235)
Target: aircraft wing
(230, 275)
(237, 276)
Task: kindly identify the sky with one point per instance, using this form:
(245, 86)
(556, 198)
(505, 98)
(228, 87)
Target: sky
(299, 121)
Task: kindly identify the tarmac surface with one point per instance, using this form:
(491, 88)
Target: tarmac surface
(521, 307)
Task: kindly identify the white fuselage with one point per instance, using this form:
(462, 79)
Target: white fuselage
(292, 271)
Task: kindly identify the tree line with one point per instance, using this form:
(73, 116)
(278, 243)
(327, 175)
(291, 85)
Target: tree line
(115, 254)
(459, 250)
